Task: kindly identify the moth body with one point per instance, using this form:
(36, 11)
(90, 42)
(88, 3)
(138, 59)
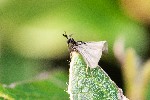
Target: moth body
(91, 51)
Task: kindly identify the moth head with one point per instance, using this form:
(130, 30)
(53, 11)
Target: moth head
(70, 40)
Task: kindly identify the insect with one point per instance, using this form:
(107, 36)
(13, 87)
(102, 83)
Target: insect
(91, 51)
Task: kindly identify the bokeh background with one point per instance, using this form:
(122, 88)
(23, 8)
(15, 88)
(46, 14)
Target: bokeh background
(31, 40)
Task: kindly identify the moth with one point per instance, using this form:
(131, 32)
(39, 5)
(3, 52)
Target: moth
(91, 51)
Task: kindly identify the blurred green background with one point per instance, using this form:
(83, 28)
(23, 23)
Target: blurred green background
(31, 31)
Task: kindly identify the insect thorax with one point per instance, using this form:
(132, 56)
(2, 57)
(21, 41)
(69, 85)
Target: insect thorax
(71, 47)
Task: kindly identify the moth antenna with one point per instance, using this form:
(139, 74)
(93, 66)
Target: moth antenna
(70, 35)
(65, 35)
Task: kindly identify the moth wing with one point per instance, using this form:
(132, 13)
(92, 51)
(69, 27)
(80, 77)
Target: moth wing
(92, 52)
(102, 45)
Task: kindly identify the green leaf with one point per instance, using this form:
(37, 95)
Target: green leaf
(148, 91)
(52, 88)
(90, 84)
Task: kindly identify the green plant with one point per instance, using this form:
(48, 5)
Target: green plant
(135, 72)
(90, 84)
(44, 87)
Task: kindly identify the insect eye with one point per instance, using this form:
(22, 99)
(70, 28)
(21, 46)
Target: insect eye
(68, 41)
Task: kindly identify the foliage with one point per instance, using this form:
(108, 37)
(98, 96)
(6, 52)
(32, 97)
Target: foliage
(31, 34)
(135, 72)
(90, 84)
(51, 88)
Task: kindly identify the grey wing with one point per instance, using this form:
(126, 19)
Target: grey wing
(92, 52)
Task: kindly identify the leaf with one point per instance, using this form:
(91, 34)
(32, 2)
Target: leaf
(130, 73)
(4, 94)
(145, 73)
(90, 84)
(45, 89)
(135, 72)
(147, 96)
